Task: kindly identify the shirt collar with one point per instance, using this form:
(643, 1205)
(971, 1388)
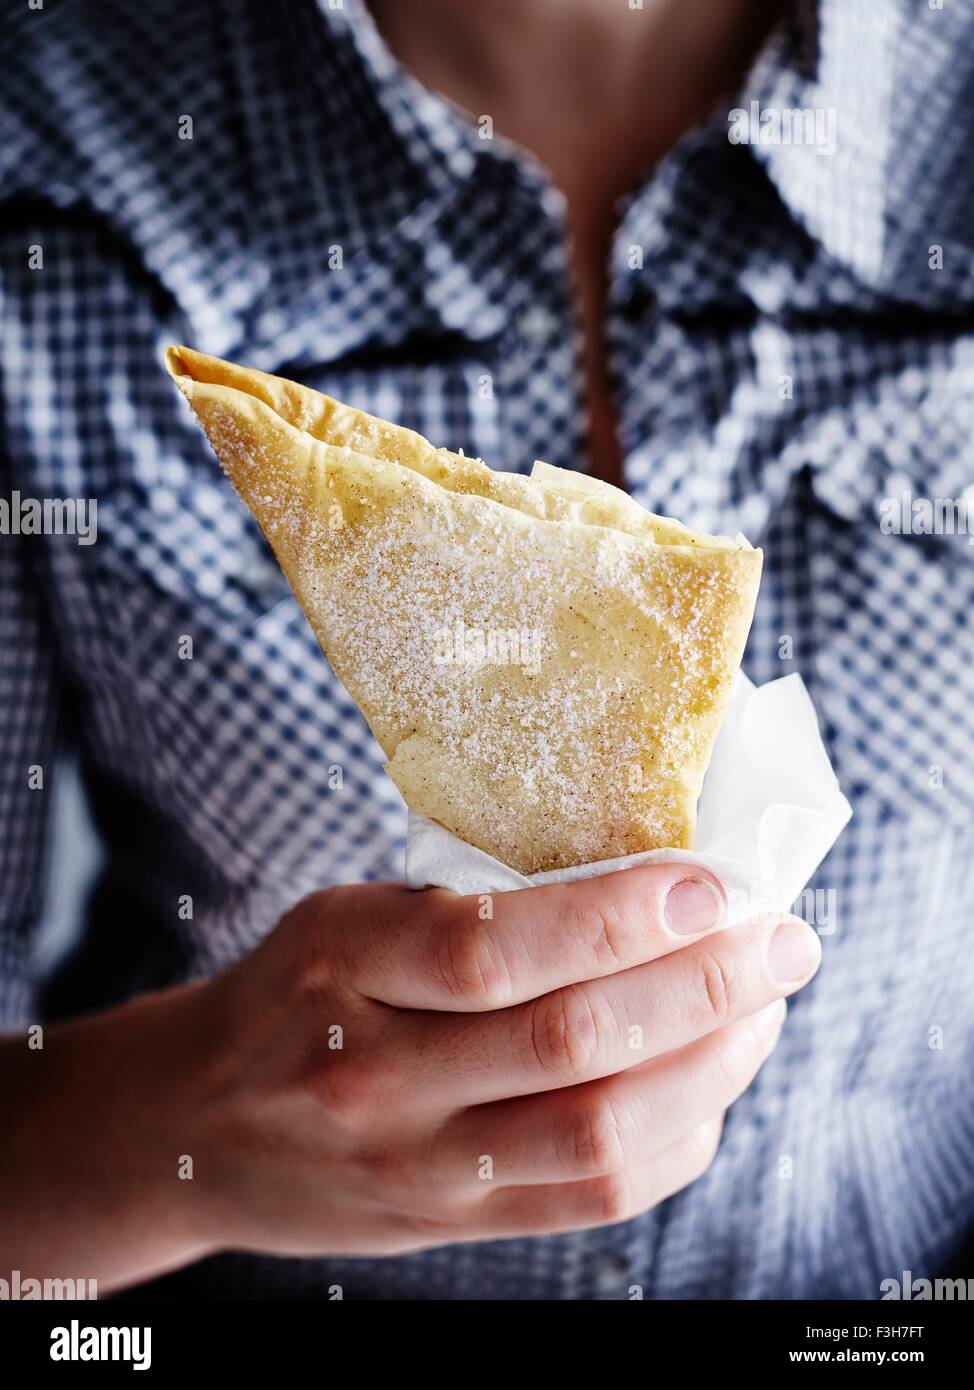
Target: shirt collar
(869, 191)
(380, 164)
(436, 138)
(407, 155)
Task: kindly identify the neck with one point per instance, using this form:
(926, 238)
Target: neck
(584, 56)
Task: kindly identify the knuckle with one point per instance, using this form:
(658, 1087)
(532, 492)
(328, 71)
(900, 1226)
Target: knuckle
(734, 1060)
(618, 934)
(424, 1228)
(384, 1166)
(713, 988)
(594, 1142)
(311, 948)
(471, 967)
(346, 1088)
(703, 1145)
(614, 932)
(565, 1033)
(326, 958)
(611, 1199)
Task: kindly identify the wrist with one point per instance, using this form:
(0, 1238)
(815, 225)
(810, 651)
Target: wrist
(170, 1109)
(90, 1165)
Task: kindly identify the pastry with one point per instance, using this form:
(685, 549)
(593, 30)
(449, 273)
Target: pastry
(544, 663)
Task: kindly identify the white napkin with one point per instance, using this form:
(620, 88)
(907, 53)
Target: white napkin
(770, 810)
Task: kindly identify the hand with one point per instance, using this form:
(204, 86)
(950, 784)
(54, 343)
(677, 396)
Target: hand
(393, 1072)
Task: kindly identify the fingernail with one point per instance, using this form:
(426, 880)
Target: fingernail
(693, 905)
(794, 952)
(768, 1021)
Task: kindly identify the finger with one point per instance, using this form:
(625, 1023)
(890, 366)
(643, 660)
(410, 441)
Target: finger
(610, 1025)
(600, 1201)
(612, 1124)
(437, 950)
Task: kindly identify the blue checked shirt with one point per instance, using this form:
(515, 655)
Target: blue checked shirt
(792, 342)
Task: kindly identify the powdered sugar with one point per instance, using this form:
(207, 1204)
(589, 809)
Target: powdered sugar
(546, 688)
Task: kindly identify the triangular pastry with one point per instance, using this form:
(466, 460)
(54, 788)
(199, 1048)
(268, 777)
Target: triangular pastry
(544, 663)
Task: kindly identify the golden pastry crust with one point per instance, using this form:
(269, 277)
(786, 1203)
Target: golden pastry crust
(545, 664)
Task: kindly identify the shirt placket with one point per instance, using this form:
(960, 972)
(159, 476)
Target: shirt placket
(537, 368)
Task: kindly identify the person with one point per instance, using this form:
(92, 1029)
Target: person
(606, 236)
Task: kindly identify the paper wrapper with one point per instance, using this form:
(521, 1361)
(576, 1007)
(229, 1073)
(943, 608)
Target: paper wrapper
(770, 810)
